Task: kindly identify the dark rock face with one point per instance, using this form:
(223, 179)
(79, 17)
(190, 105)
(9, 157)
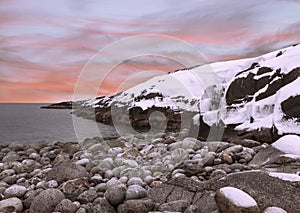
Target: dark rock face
(291, 108)
(242, 89)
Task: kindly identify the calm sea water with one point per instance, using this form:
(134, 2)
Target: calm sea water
(27, 123)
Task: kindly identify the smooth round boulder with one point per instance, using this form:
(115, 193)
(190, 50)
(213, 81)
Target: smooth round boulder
(15, 191)
(274, 209)
(115, 195)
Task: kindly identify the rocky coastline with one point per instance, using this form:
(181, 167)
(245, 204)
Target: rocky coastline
(166, 172)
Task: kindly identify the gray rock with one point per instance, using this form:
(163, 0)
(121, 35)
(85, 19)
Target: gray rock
(249, 143)
(139, 205)
(218, 173)
(66, 171)
(15, 191)
(115, 195)
(135, 181)
(230, 199)
(7, 173)
(192, 209)
(73, 188)
(175, 206)
(11, 205)
(102, 205)
(214, 146)
(101, 187)
(46, 201)
(233, 149)
(66, 206)
(87, 197)
(274, 209)
(52, 184)
(136, 192)
(11, 157)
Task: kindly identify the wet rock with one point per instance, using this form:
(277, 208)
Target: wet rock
(66, 171)
(230, 199)
(11, 205)
(133, 206)
(46, 201)
(136, 192)
(66, 206)
(115, 195)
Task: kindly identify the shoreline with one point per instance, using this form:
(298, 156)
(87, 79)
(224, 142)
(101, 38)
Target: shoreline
(138, 174)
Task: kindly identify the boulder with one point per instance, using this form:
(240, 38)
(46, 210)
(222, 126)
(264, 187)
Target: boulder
(66, 171)
(274, 209)
(11, 205)
(102, 205)
(115, 195)
(73, 188)
(66, 206)
(136, 192)
(230, 199)
(46, 201)
(15, 191)
(138, 205)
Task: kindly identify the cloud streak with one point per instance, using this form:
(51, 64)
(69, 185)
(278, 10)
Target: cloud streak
(45, 45)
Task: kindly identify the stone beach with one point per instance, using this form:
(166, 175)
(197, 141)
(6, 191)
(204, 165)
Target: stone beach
(166, 172)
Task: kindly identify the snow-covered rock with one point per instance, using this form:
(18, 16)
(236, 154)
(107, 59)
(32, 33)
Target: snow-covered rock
(289, 144)
(253, 93)
(230, 199)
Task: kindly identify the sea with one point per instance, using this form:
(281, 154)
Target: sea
(28, 123)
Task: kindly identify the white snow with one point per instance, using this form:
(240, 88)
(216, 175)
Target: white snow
(238, 197)
(285, 176)
(184, 89)
(289, 144)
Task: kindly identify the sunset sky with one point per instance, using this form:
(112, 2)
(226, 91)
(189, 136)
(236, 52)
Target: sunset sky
(44, 45)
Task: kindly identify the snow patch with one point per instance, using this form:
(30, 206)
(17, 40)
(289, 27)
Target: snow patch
(285, 176)
(289, 144)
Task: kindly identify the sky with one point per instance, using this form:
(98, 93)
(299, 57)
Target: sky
(44, 45)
